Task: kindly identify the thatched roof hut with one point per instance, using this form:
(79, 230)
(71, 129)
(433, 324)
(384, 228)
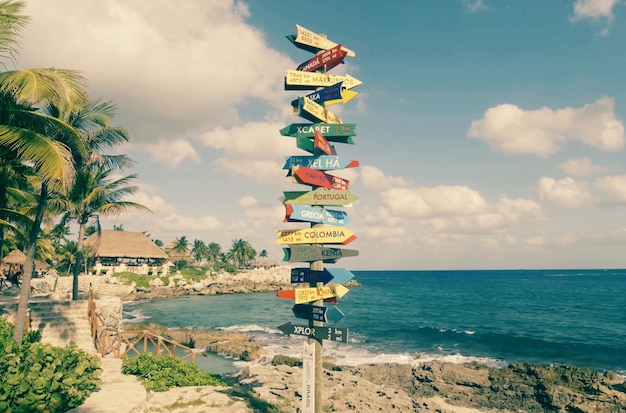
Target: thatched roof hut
(14, 257)
(123, 244)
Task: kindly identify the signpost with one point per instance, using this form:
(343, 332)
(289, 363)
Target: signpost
(309, 244)
(298, 80)
(321, 333)
(320, 162)
(317, 235)
(320, 196)
(330, 95)
(309, 176)
(332, 132)
(310, 253)
(318, 215)
(326, 60)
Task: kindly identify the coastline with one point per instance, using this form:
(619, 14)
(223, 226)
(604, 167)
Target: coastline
(422, 386)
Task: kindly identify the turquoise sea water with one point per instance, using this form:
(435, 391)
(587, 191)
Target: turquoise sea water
(575, 317)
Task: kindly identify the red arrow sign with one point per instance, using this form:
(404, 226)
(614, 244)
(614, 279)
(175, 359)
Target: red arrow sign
(330, 58)
(322, 144)
(309, 176)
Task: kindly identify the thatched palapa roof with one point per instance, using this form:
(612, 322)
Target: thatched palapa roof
(15, 257)
(123, 244)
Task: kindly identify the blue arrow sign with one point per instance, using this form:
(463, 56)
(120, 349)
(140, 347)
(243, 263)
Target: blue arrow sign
(307, 275)
(328, 93)
(310, 312)
(340, 275)
(320, 162)
(317, 215)
(321, 333)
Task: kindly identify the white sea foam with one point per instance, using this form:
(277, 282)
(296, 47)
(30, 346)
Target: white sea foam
(134, 316)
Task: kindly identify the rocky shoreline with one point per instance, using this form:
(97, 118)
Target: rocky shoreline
(431, 386)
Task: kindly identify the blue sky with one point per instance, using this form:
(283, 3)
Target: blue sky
(490, 133)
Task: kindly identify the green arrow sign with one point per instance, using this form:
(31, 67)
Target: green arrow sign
(320, 196)
(331, 132)
(310, 253)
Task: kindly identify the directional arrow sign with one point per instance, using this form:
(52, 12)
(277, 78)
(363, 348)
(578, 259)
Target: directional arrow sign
(320, 333)
(340, 275)
(314, 112)
(307, 275)
(310, 41)
(310, 253)
(310, 312)
(318, 215)
(306, 295)
(320, 196)
(297, 80)
(341, 133)
(330, 95)
(331, 235)
(308, 176)
(326, 60)
(320, 162)
(320, 142)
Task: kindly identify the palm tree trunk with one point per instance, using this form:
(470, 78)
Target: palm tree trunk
(29, 266)
(79, 259)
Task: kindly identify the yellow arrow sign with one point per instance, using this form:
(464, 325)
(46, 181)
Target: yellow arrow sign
(306, 295)
(346, 96)
(315, 112)
(319, 41)
(299, 80)
(320, 235)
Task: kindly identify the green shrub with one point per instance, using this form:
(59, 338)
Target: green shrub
(159, 373)
(37, 377)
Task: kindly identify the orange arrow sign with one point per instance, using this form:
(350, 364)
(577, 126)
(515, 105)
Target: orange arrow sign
(307, 295)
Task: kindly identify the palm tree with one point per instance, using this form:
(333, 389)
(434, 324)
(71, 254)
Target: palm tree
(94, 193)
(181, 246)
(215, 252)
(199, 250)
(31, 136)
(263, 254)
(241, 252)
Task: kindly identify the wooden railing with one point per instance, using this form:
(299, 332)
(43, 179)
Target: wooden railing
(121, 343)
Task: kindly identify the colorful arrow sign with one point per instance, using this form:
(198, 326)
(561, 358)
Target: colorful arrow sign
(340, 275)
(307, 275)
(325, 60)
(308, 176)
(330, 235)
(307, 295)
(310, 41)
(320, 162)
(301, 213)
(310, 312)
(320, 333)
(330, 95)
(310, 253)
(297, 80)
(320, 196)
(314, 112)
(333, 132)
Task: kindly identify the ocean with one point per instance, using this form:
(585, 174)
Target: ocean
(574, 317)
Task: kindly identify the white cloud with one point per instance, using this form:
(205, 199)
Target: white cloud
(615, 186)
(255, 150)
(374, 178)
(510, 129)
(175, 68)
(580, 167)
(594, 9)
(425, 202)
(171, 153)
(565, 192)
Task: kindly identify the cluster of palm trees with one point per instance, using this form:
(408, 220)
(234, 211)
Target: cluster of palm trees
(240, 253)
(55, 166)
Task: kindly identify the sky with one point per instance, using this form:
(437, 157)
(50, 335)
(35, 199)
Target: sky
(490, 133)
